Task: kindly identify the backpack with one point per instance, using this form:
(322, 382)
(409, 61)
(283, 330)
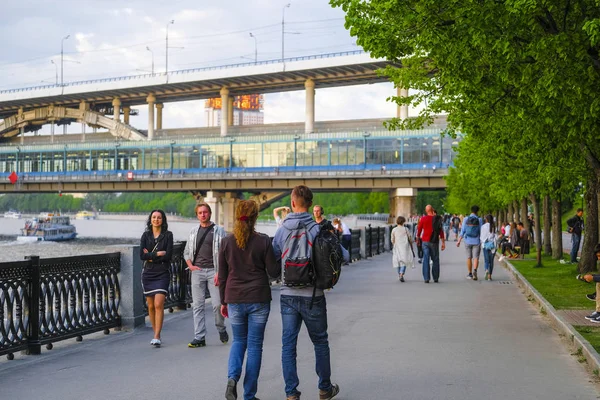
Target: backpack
(296, 258)
(327, 259)
(473, 229)
(436, 225)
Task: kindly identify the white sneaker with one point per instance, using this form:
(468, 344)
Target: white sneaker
(501, 258)
(155, 342)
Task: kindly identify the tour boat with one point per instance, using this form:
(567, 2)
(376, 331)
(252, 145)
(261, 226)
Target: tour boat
(12, 214)
(55, 228)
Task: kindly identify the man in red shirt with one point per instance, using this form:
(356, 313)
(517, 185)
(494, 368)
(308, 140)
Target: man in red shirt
(430, 232)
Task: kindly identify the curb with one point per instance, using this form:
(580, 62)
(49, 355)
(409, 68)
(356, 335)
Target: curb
(574, 338)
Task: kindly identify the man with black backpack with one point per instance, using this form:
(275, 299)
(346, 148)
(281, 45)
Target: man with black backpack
(302, 299)
(471, 230)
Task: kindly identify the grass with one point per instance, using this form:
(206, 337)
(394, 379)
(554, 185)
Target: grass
(591, 334)
(556, 282)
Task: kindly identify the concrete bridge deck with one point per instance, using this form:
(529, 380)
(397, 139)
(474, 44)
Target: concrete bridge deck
(457, 339)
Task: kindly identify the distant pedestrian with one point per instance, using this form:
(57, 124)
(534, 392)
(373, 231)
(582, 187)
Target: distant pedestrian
(471, 230)
(429, 233)
(246, 260)
(284, 212)
(455, 226)
(202, 257)
(488, 242)
(575, 228)
(403, 254)
(318, 213)
(446, 224)
(343, 229)
(156, 248)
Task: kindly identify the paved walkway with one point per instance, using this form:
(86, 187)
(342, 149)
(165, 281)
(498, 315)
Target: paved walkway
(457, 339)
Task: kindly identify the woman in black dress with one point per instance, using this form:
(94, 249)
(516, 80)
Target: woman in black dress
(156, 248)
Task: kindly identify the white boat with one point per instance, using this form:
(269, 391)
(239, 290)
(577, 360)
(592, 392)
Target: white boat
(12, 214)
(55, 228)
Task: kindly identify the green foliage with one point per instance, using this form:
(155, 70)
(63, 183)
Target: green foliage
(36, 203)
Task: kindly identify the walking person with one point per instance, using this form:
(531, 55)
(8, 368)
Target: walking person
(455, 226)
(323, 222)
(575, 225)
(246, 260)
(595, 316)
(302, 304)
(429, 233)
(156, 248)
(201, 255)
(343, 229)
(403, 254)
(487, 239)
(471, 229)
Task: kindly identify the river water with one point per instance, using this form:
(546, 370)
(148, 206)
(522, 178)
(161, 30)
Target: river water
(93, 237)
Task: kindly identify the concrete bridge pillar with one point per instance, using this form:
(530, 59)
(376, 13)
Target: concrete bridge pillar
(159, 115)
(402, 111)
(223, 208)
(116, 109)
(230, 111)
(402, 203)
(83, 107)
(151, 99)
(309, 124)
(126, 112)
(224, 110)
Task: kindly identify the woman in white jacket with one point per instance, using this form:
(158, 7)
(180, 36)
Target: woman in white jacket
(487, 237)
(403, 253)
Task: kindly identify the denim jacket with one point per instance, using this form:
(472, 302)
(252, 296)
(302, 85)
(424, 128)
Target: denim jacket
(190, 247)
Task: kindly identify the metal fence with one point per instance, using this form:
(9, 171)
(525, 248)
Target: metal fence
(374, 240)
(49, 300)
(354, 245)
(180, 290)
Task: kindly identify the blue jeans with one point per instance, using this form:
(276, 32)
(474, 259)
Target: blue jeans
(431, 251)
(401, 270)
(248, 322)
(294, 310)
(575, 239)
(488, 258)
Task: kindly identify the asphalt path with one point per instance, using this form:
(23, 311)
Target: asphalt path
(457, 339)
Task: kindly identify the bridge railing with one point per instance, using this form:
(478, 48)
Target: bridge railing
(43, 301)
(185, 71)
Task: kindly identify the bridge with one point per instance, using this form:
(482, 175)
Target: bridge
(85, 101)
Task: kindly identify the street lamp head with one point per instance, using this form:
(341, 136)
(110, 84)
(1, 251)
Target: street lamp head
(288, 5)
(148, 48)
(52, 61)
(251, 35)
(66, 37)
(172, 21)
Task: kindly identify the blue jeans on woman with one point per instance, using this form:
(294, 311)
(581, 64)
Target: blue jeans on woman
(248, 323)
(488, 258)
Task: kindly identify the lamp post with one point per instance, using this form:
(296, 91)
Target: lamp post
(62, 58)
(55, 71)
(167, 47)
(255, 48)
(283, 30)
(151, 52)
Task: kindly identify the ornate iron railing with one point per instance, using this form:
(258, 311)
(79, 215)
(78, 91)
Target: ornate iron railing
(180, 291)
(45, 301)
(354, 245)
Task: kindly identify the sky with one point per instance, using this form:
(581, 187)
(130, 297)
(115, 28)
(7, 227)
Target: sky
(110, 38)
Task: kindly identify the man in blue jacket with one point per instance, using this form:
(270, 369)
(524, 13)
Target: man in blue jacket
(296, 303)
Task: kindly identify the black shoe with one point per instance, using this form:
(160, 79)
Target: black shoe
(475, 274)
(231, 391)
(435, 281)
(401, 279)
(593, 315)
(197, 343)
(420, 261)
(329, 394)
(427, 281)
(224, 336)
(591, 297)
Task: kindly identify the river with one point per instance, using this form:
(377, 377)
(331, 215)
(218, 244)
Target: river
(94, 236)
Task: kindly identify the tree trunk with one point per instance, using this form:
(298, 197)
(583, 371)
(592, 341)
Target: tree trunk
(547, 225)
(524, 219)
(516, 211)
(537, 228)
(557, 248)
(501, 217)
(588, 259)
(509, 216)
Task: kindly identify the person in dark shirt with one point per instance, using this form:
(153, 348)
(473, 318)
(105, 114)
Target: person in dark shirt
(156, 248)
(246, 260)
(595, 316)
(575, 225)
(429, 233)
(318, 213)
